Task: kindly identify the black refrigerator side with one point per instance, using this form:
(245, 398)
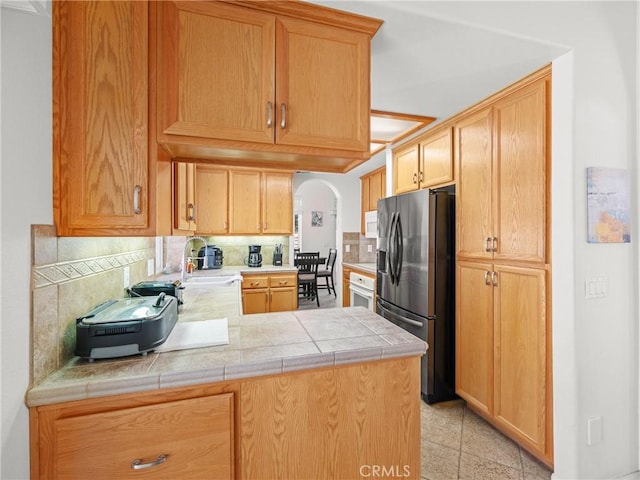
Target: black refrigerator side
(441, 301)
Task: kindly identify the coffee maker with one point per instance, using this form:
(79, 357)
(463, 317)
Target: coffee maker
(255, 257)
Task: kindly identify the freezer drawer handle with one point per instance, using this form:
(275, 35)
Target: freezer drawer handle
(138, 465)
(402, 319)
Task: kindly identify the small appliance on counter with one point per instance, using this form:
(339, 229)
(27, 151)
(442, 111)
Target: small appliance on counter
(277, 255)
(255, 257)
(210, 257)
(155, 288)
(127, 326)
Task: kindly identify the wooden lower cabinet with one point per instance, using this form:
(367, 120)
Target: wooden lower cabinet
(503, 350)
(346, 290)
(190, 438)
(275, 292)
(334, 422)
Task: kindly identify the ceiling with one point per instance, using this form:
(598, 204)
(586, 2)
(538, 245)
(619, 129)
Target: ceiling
(430, 58)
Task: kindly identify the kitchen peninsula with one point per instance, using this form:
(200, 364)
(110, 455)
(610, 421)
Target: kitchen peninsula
(326, 393)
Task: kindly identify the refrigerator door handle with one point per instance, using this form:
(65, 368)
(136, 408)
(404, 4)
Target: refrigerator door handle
(400, 318)
(392, 251)
(399, 240)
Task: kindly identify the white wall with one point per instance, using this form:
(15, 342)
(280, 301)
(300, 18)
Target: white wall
(26, 198)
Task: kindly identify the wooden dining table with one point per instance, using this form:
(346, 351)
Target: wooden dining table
(321, 261)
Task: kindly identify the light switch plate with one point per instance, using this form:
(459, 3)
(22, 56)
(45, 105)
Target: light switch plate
(594, 430)
(596, 287)
(347, 248)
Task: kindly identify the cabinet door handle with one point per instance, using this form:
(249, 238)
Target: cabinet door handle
(269, 114)
(138, 465)
(421, 177)
(192, 209)
(283, 116)
(486, 278)
(487, 247)
(415, 178)
(494, 244)
(136, 199)
(494, 279)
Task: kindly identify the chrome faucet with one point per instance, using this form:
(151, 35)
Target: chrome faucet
(205, 259)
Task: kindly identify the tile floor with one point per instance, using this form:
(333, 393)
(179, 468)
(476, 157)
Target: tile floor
(458, 444)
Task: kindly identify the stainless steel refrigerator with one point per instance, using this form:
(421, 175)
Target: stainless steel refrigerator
(415, 282)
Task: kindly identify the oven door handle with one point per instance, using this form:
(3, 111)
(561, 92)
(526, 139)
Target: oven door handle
(400, 318)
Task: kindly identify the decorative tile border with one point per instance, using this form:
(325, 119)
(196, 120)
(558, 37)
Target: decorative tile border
(57, 273)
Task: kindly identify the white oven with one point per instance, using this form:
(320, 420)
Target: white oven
(362, 291)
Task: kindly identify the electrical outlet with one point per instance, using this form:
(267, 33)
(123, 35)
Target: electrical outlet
(150, 267)
(125, 277)
(347, 248)
(369, 248)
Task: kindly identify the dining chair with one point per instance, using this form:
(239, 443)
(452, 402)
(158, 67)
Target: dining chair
(327, 273)
(307, 263)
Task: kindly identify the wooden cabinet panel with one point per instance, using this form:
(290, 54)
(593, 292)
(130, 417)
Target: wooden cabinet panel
(277, 205)
(275, 292)
(474, 190)
(405, 169)
(520, 174)
(212, 200)
(436, 159)
(217, 71)
(185, 196)
(373, 188)
(521, 362)
(346, 290)
(474, 335)
(321, 96)
(244, 201)
(196, 435)
(340, 435)
(101, 167)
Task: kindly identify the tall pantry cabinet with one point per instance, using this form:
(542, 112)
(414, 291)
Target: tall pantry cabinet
(503, 328)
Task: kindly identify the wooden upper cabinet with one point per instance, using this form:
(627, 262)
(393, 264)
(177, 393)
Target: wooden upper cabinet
(322, 99)
(474, 225)
(245, 189)
(502, 186)
(436, 158)
(425, 162)
(212, 200)
(281, 81)
(277, 203)
(101, 169)
(185, 196)
(406, 162)
(216, 71)
(373, 187)
(520, 174)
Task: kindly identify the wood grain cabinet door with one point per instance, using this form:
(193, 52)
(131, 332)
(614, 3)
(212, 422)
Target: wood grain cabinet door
(522, 362)
(244, 201)
(184, 439)
(405, 169)
(436, 159)
(100, 112)
(474, 335)
(277, 203)
(322, 87)
(520, 174)
(184, 196)
(212, 200)
(474, 208)
(216, 71)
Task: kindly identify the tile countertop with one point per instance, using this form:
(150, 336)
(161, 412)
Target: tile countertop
(365, 267)
(260, 344)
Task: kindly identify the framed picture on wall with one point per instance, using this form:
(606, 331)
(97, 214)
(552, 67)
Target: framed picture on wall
(316, 218)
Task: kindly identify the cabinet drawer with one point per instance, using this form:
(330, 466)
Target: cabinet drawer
(195, 436)
(288, 280)
(255, 281)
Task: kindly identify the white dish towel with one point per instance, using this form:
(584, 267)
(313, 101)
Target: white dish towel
(206, 333)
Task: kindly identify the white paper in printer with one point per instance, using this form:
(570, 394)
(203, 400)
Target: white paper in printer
(206, 333)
